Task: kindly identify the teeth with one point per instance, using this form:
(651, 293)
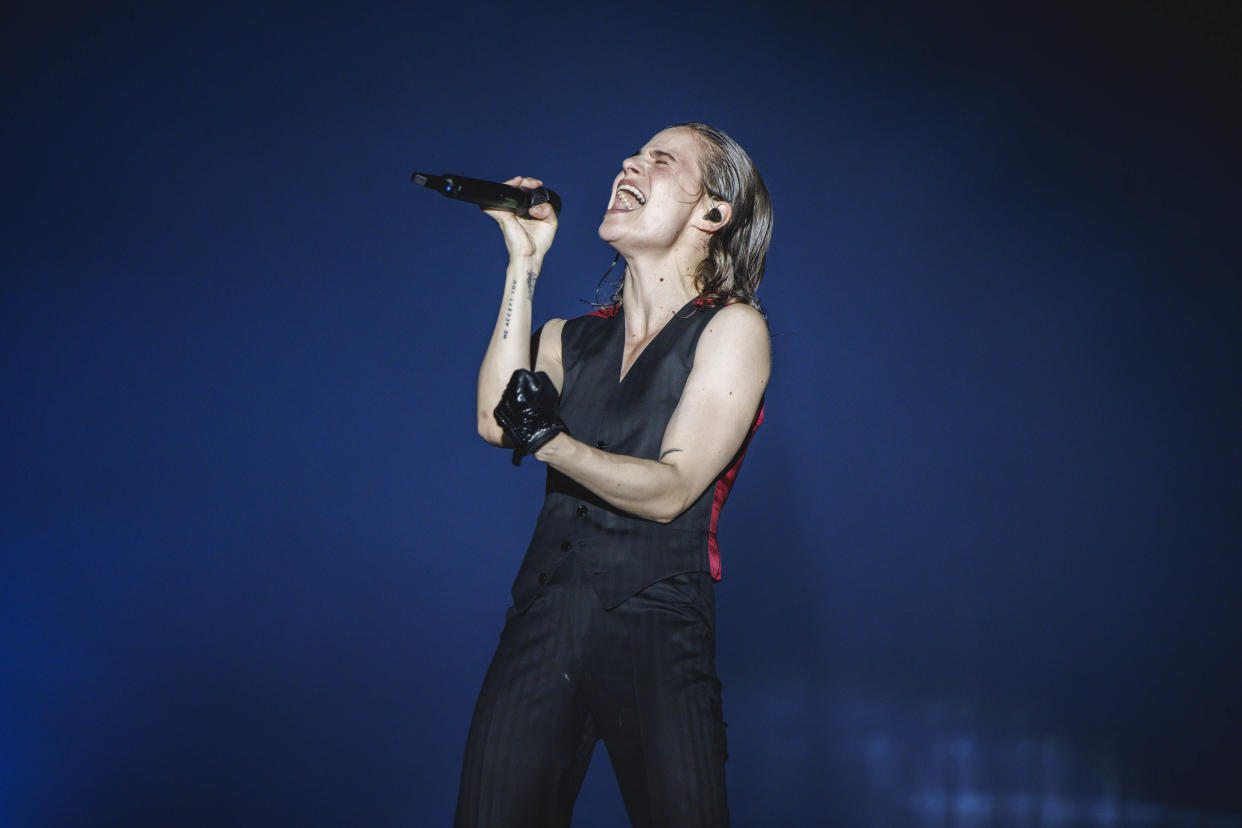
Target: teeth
(630, 194)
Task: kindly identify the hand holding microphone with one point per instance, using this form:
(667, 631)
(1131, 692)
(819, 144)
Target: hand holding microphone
(525, 210)
(514, 198)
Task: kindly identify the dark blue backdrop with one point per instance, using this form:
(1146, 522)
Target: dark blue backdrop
(981, 567)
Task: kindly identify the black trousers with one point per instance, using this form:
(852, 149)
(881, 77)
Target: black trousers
(641, 676)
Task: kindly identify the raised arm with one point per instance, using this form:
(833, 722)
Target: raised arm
(511, 346)
(721, 398)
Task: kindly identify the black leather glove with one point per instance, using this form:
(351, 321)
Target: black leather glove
(527, 412)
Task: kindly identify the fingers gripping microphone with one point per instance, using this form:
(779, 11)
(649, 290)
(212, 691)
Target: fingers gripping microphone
(489, 193)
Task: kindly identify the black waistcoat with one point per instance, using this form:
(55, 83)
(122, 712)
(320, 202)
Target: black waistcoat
(623, 553)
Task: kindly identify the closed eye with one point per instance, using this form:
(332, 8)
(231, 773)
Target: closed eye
(660, 156)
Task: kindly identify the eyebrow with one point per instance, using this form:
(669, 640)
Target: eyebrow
(655, 152)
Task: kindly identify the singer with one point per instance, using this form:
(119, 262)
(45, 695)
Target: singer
(642, 412)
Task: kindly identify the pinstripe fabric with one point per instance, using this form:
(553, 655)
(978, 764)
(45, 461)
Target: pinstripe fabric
(532, 733)
(641, 676)
(611, 632)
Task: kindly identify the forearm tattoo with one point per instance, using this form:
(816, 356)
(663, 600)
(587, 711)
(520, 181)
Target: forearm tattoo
(667, 453)
(531, 277)
(509, 308)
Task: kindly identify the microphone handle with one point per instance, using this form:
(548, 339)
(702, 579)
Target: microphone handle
(489, 193)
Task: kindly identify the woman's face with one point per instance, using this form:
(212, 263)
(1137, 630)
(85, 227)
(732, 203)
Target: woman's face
(657, 194)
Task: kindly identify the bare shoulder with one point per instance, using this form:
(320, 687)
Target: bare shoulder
(740, 319)
(736, 333)
(552, 335)
(552, 328)
(547, 350)
(723, 393)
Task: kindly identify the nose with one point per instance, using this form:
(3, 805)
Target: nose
(630, 165)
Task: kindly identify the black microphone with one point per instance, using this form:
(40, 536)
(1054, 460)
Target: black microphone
(489, 193)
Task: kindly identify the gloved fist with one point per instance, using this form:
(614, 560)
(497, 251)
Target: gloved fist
(527, 412)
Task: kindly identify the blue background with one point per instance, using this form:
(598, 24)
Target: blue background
(981, 566)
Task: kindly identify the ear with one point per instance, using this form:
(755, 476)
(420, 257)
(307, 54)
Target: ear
(716, 215)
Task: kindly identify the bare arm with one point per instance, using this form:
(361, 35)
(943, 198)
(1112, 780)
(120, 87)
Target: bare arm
(731, 367)
(509, 349)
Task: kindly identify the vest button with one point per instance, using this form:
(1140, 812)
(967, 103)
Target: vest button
(600, 444)
(581, 510)
(543, 577)
(565, 545)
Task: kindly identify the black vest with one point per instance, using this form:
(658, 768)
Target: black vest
(623, 553)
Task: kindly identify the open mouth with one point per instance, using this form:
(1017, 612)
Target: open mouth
(629, 198)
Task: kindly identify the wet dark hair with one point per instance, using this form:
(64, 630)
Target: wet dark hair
(736, 253)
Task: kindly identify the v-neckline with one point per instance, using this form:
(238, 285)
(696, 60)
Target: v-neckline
(637, 357)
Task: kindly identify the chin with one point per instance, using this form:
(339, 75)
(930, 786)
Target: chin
(606, 231)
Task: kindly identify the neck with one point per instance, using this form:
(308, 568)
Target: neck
(654, 290)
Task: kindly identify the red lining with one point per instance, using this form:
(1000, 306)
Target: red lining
(607, 312)
(723, 486)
